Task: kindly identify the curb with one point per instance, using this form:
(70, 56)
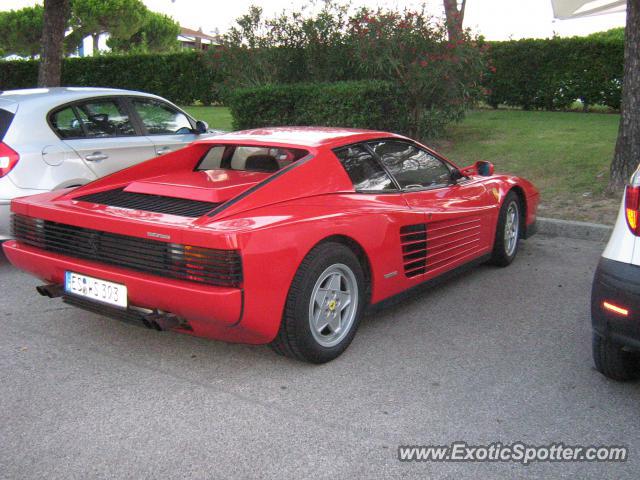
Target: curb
(552, 227)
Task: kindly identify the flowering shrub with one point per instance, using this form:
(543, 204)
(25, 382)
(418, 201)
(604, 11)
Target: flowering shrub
(440, 79)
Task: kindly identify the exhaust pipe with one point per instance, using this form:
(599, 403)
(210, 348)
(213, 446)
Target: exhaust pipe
(52, 290)
(163, 321)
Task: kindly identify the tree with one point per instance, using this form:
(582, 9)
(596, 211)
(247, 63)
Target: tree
(158, 33)
(119, 18)
(21, 31)
(627, 152)
(454, 15)
(56, 14)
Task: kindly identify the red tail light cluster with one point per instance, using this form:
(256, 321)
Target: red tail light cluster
(8, 159)
(632, 208)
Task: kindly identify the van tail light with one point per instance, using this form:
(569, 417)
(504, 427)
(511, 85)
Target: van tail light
(8, 159)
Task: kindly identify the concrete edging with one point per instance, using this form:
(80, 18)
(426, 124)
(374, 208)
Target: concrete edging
(552, 227)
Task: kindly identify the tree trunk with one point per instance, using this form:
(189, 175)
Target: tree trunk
(454, 18)
(96, 44)
(627, 153)
(56, 13)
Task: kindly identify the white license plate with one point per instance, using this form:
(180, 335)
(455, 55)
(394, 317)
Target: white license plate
(96, 289)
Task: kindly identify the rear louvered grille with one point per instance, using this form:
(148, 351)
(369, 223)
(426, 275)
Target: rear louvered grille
(183, 262)
(150, 203)
(413, 239)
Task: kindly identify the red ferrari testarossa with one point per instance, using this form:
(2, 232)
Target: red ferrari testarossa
(275, 235)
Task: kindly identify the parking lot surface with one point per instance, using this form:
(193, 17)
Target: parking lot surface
(490, 355)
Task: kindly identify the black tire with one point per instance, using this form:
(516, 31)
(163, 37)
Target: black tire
(614, 362)
(295, 338)
(501, 255)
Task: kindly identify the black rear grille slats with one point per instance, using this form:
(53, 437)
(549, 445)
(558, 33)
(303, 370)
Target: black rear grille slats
(197, 264)
(150, 203)
(413, 239)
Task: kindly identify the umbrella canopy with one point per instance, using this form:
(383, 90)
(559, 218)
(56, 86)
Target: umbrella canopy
(566, 9)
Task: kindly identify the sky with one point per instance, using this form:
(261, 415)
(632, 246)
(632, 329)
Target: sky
(495, 19)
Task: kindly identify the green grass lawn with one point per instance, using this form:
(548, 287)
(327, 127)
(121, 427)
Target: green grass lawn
(566, 155)
(216, 117)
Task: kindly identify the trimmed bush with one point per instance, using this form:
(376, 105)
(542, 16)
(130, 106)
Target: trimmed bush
(361, 104)
(180, 77)
(552, 73)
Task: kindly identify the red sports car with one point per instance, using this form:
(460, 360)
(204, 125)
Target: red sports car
(275, 235)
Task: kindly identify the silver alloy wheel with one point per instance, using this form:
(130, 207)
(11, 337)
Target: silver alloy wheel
(511, 229)
(333, 305)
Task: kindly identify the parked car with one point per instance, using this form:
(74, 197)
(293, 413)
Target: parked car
(276, 235)
(615, 297)
(53, 138)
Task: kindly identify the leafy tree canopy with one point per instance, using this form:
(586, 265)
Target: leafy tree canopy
(120, 18)
(158, 33)
(21, 31)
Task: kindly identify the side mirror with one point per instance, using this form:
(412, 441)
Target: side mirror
(201, 127)
(483, 168)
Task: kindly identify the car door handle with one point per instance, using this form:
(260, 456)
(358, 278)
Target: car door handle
(162, 150)
(96, 156)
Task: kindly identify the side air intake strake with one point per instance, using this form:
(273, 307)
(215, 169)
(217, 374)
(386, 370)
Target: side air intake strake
(150, 203)
(172, 260)
(413, 239)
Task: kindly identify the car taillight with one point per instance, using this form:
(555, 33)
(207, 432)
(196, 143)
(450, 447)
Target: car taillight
(8, 159)
(632, 208)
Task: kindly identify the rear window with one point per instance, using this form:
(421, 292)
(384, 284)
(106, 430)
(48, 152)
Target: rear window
(249, 158)
(5, 121)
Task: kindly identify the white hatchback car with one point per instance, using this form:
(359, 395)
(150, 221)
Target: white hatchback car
(615, 296)
(52, 138)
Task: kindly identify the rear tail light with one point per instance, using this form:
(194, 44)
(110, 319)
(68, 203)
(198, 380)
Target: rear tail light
(632, 208)
(8, 159)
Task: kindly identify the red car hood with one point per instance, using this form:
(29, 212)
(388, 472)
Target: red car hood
(211, 186)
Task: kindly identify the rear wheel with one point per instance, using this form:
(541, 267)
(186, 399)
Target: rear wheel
(505, 245)
(324, 305)
(613, 361)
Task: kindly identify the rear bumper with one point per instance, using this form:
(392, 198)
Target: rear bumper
(212, 312)
(617, 283)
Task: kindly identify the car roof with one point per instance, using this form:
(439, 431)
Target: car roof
(58, 95)
(301, 136)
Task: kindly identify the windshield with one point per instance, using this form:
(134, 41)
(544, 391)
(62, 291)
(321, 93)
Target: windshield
(249, 158)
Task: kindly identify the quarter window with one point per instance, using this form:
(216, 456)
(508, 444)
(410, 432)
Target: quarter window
(105, 118)
(365, 172)
(411, 166)
(66, 124)
(161, 119)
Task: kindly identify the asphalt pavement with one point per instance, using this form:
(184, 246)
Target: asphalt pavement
(491, 355)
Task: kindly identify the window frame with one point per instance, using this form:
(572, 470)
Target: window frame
(226, 156)
(134, 113)
(118, 100)
(123, 101)
(446, 163)
(376, 159)
(399, 189)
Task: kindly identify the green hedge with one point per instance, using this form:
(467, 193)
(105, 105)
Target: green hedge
(553, 73)
(180, 77)
(358, 104)
(548, 74)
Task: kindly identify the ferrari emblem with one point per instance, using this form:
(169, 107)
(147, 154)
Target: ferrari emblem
(332, 305)
(496, 194)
